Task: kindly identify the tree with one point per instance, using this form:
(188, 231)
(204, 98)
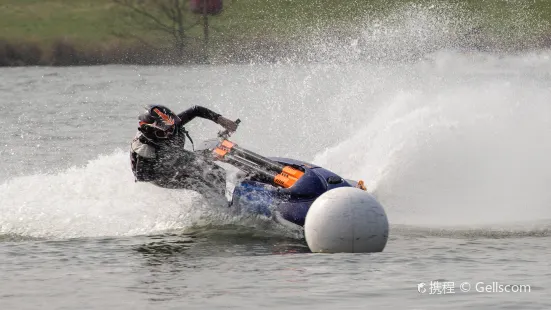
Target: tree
(171, 17)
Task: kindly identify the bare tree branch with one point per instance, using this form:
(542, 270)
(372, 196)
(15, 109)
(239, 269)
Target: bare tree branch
(171, 17)
(193, 25)
(129, 4)
(168, 11)
(128, 34)
(131, 35)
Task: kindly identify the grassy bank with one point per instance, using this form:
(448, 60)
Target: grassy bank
(67, 32)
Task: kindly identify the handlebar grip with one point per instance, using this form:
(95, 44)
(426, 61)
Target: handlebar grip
(226, 133)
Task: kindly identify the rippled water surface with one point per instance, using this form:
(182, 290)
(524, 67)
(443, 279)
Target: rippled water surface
(454, 145)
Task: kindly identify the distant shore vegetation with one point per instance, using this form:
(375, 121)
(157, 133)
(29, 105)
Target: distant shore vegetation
(98, 32)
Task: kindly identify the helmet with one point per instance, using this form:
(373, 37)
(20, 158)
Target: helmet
(158, 122)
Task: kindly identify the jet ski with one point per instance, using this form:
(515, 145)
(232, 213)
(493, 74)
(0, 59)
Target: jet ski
(279, 188)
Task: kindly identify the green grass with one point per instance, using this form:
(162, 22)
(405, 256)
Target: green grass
(93, 21)
(44, 21)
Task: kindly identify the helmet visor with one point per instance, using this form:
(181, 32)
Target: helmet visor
(153, 131)
(164, 133)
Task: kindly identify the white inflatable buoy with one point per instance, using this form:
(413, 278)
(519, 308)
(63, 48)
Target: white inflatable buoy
(346, 219)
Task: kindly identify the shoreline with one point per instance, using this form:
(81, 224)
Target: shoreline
(260, 50)
(65, 54)
(325, 46)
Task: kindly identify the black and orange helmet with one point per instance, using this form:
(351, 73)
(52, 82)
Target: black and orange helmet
(158, 122)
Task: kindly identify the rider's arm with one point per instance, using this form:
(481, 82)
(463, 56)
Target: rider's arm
(203, 112)
(198, 111)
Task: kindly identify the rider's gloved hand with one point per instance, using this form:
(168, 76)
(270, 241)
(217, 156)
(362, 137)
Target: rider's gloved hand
(229, 125)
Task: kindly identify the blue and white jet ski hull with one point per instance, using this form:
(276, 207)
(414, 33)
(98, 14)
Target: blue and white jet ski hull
(287, 204)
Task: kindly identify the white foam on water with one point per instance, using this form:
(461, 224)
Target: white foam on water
(466, 144)
(99, 199)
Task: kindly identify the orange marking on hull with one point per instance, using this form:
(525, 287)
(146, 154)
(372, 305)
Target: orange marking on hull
(290, 171)
(284, 180)
(220, 152)
(227, 144)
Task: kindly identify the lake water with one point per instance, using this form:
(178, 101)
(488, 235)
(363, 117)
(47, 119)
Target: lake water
(454, 145)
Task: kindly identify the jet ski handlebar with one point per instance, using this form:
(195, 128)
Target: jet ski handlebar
(267, 169)
(226, 133)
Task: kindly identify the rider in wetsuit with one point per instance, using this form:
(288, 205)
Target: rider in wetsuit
(157, 152)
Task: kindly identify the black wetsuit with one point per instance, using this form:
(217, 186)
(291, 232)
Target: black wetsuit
(171, 166)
